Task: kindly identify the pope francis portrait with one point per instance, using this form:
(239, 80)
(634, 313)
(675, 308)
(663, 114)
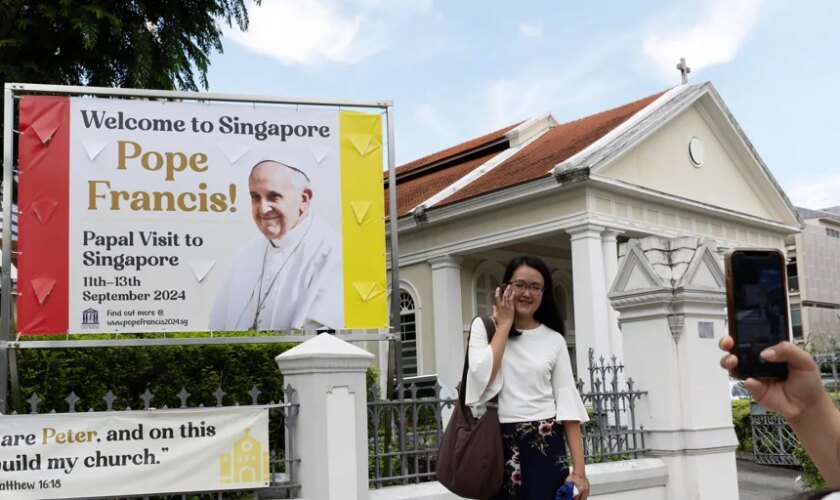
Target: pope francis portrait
(289, 277)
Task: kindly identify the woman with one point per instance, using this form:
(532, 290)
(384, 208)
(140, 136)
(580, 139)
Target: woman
(528, 366)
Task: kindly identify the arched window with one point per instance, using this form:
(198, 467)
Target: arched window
(408, 333)
(488, 276)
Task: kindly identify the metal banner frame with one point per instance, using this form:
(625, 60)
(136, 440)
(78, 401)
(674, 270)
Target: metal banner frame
(9, 344)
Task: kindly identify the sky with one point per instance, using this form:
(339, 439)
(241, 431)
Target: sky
(459, 69)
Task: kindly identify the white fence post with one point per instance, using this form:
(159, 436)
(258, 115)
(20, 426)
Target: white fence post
(330, 435)
(671, 300)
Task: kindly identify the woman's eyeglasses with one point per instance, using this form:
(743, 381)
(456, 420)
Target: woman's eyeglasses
(523, 286)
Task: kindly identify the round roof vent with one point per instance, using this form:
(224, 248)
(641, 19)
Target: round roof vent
(696, 151)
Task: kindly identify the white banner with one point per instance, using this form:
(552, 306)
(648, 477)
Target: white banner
(158, 216)
(78, 455)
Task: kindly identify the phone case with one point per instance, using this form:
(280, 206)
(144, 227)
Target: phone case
(730, 302)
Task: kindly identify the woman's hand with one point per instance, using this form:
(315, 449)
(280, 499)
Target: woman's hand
(582, 485)
(801, 391)
(503, 308)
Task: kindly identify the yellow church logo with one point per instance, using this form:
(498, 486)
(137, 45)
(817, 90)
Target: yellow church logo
(247, 464)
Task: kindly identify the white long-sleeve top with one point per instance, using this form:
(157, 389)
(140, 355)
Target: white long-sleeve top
(535, 381)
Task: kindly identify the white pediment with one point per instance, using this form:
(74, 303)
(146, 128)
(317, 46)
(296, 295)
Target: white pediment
(729, 173)
(636, 272)
(704, 270)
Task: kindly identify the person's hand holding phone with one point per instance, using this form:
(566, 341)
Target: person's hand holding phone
(802, 390)
(503, 307)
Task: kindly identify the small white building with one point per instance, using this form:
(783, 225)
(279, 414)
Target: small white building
(672, 164)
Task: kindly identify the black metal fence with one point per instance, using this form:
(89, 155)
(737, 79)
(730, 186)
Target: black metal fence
(404, 434)
(612, 433)
(282, 419)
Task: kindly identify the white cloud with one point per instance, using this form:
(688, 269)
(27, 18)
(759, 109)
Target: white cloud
(816, 193)
(531, 30)
(535, 93)
(714, 39)
(309, 32)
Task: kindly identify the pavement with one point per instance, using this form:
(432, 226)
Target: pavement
(763, 482)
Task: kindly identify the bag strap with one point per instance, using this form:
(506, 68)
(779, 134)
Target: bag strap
(490, 327)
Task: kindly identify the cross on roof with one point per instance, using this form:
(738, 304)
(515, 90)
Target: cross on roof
(684, 70)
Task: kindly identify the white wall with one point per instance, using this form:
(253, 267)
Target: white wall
(641, 479)
(662, 163)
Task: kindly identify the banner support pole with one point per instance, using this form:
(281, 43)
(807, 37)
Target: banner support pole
(397, 367)
(6, 320)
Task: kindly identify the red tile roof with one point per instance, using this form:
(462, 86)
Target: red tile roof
(454, 151)
(414, 191)
(533, 162)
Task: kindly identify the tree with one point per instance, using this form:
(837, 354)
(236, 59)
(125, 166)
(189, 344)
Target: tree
(155, 44)
(160, 44)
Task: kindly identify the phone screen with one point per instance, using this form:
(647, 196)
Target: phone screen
(760, 310)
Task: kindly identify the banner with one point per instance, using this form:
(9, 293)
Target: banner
(82, 455)
(154, 216)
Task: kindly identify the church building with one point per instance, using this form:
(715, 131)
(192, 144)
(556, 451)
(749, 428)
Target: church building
(675, 163)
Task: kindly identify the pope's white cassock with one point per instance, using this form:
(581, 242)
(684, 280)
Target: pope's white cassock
(295, 282)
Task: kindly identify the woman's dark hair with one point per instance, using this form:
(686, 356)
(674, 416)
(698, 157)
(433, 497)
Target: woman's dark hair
(547, 312)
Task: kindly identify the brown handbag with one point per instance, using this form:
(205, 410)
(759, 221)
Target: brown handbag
(470, 461)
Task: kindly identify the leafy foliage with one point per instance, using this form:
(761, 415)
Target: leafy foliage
(741, 421)
(811, 477)
(113, 43)
(129, 371)
(150, 44)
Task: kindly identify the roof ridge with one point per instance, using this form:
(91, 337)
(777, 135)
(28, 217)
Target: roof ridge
(622, 106)
(479, 171)
(456, 149)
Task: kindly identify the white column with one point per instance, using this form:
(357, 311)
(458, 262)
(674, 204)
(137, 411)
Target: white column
(448, 321)
(609, 245)
(590, 295)
(671, 331)
(330, 435)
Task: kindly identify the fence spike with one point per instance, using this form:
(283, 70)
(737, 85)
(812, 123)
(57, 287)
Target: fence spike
(147, 399)
(255, 393)
(219, 394)
(33, 403)
(109, 400)
(72, 399)
(183, 395)
(289, 394)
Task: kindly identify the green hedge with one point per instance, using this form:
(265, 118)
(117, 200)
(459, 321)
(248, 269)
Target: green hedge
(741, 421)
(128, 371)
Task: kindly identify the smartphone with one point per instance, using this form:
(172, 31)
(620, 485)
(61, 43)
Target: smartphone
(757, 309)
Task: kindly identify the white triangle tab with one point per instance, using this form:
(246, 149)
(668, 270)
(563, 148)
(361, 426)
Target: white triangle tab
(319, 153)
(201, 268)
(360, 210)
(361, 142)
(93, 148)
(233, 152)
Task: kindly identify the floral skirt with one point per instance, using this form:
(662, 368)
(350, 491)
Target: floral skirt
(535, 460)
